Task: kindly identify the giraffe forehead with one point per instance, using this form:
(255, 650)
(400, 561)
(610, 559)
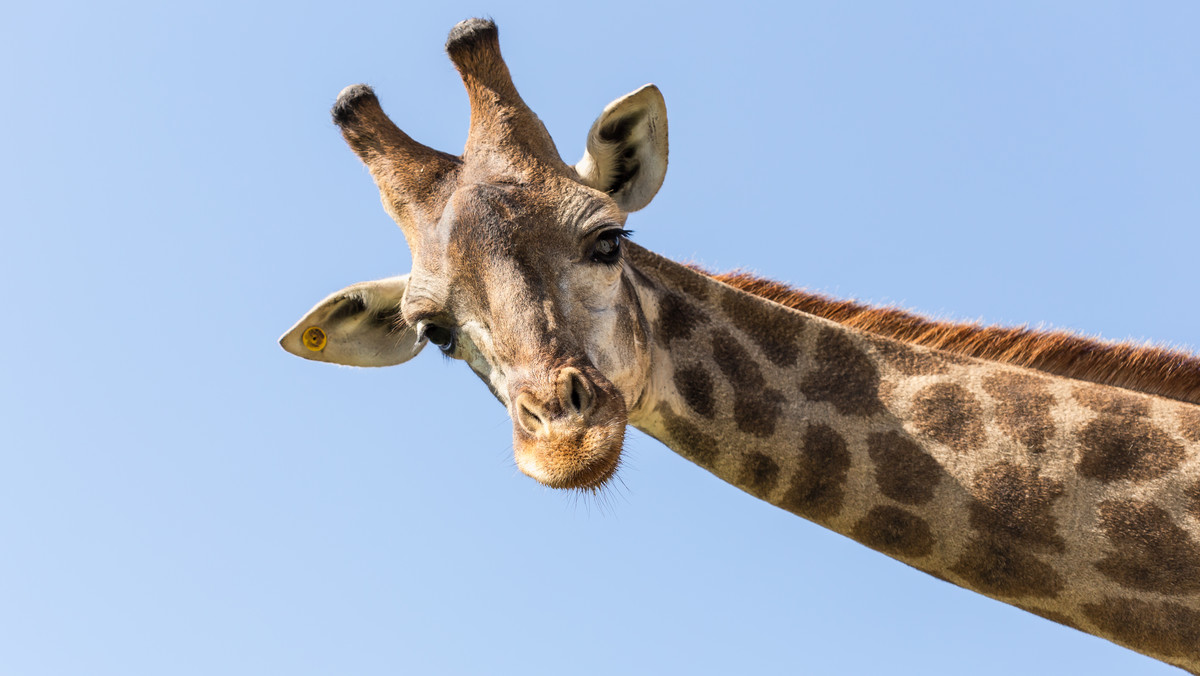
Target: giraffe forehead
(490, 241)
(512, 225)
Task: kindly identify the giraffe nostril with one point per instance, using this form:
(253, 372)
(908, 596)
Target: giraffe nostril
(575, 392)
(532, 417)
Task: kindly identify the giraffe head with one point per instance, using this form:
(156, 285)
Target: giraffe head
(517, 262)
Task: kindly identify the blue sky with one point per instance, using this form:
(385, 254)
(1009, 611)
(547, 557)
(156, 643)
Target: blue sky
(179, 496)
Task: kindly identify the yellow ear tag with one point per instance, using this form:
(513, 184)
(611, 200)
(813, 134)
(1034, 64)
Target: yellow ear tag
(314, 338)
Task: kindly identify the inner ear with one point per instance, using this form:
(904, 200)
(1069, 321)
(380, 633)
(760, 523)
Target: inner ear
(618, 135)
(360, 325)
(626, 154)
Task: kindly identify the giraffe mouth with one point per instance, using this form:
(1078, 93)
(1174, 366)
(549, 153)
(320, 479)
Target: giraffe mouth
(571, 438)
(587, 463)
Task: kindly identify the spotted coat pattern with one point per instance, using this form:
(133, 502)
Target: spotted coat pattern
(1078, 502)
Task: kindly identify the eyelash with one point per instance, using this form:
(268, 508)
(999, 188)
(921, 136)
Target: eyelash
(614, 235)
(451, 339)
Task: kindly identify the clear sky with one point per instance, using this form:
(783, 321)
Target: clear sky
(180, 496)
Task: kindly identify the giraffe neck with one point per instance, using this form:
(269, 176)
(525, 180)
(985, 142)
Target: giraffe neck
(1075, 501)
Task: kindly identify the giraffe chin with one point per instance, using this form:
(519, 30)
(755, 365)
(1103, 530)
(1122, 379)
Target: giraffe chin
(572, 454)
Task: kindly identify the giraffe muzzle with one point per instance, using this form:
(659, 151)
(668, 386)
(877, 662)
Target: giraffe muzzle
(568, 427)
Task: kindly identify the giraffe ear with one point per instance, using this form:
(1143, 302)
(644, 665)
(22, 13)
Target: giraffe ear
(626, 153)
(360, 325)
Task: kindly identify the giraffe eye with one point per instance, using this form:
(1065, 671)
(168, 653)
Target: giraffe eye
(607, 249)
(440, 336)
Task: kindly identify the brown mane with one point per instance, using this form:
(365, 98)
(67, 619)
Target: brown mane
(1155, 370)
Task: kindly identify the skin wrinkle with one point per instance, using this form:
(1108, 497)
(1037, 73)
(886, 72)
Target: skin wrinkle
(644, 332)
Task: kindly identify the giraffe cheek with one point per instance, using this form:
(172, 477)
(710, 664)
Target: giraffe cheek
(627, 375)
(621, 356)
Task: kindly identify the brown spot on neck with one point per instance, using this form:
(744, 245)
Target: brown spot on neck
(1192, 494)
(759, 474)
(695, 385)
(903, 470)
(1022, 408)
(949, 414)
(1150, 552)
(757, 412)
(687, 439)
(894, 531)
(756, 407)
(1000, 567)
(1112, 402)
(1012, 516)
(844, 376)
(817, 488)
(1119, 443)
(1015, 503)
(1165, 629)
(677, 318)
(735, 362)
(908, 360)
(777, 340)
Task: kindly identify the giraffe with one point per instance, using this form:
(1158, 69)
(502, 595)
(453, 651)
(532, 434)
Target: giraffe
(1058, 474)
